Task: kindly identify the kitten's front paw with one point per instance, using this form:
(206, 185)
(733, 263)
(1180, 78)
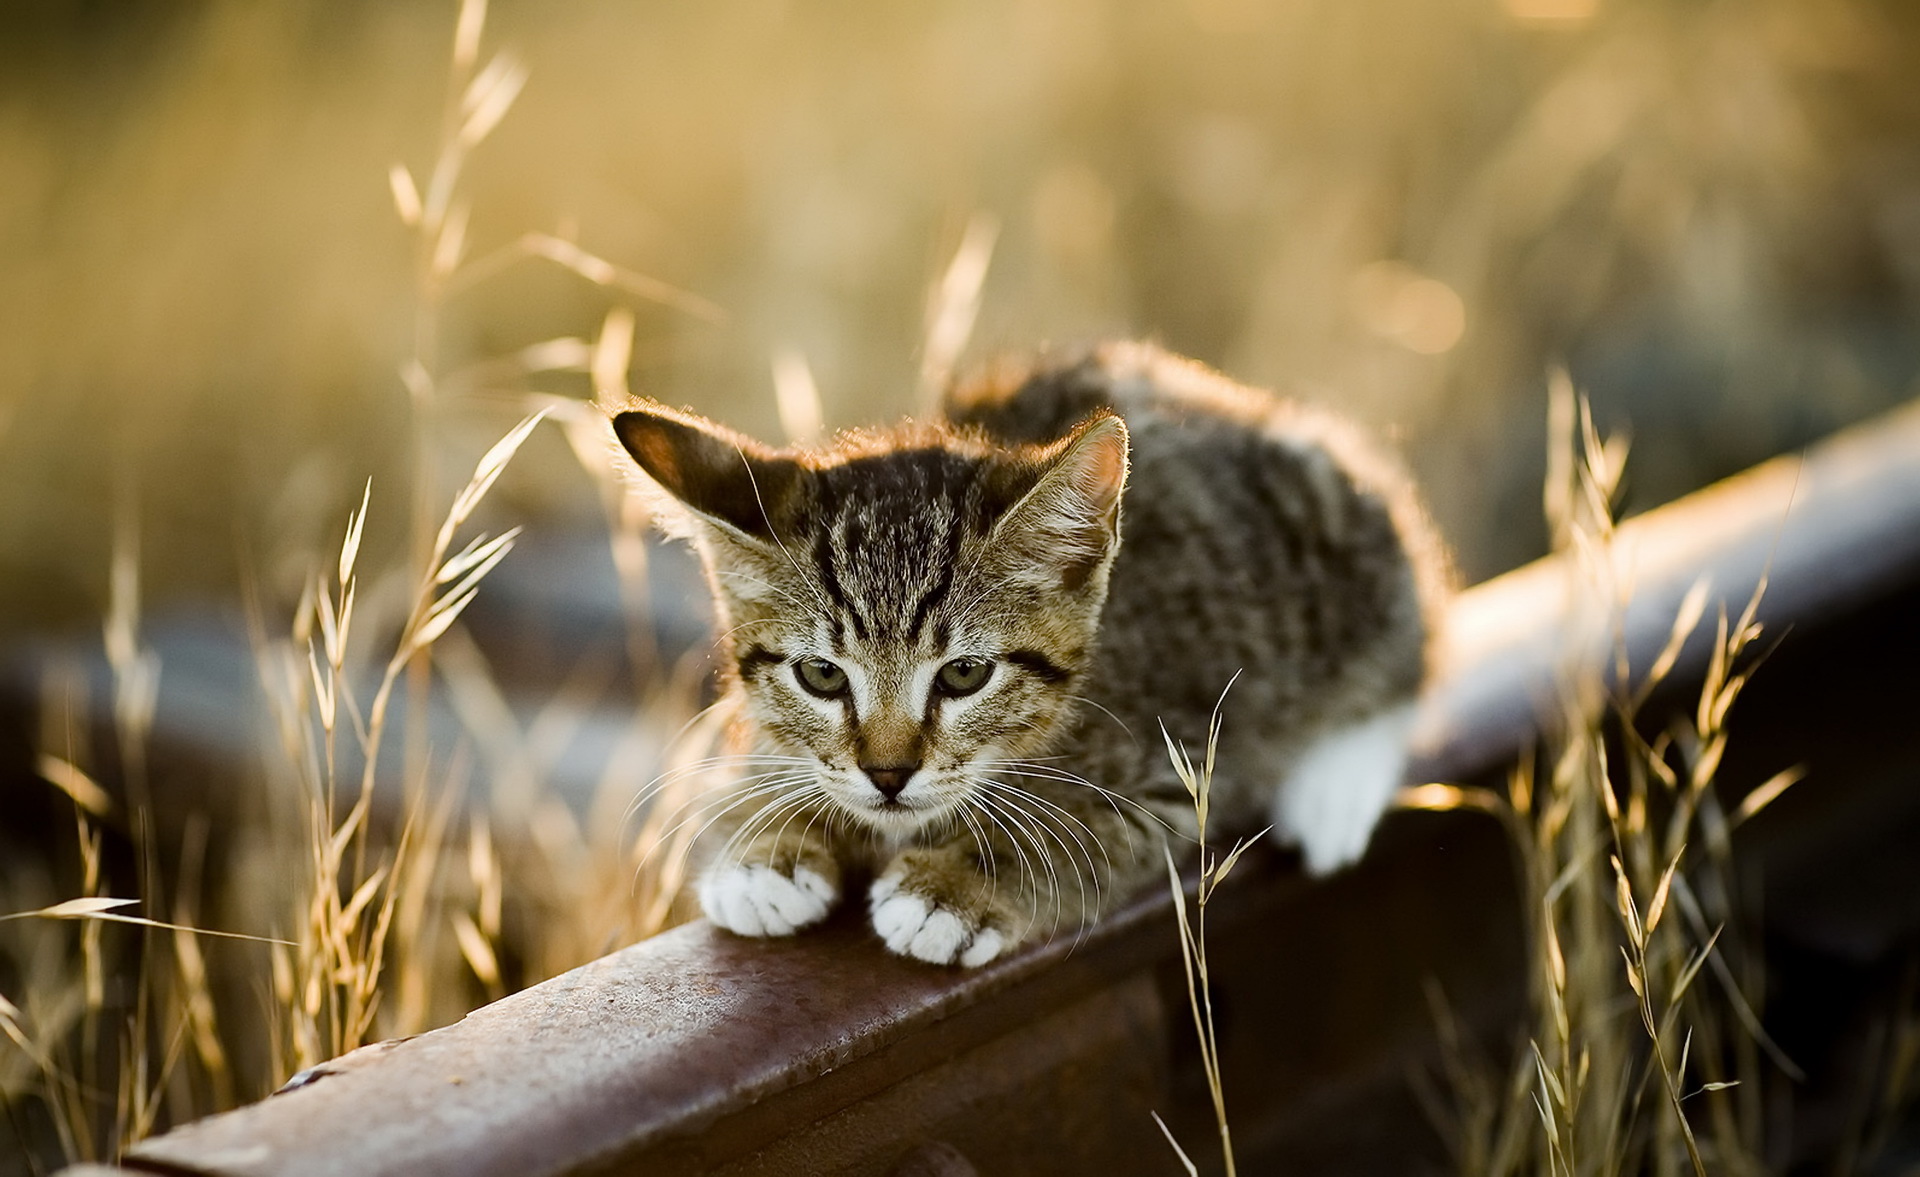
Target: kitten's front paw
(763, 901)
(915, 920)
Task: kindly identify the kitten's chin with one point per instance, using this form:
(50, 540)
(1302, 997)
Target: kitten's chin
(897, 819)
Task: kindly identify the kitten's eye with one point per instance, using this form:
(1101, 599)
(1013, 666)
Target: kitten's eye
(821, 677)
(963, 676)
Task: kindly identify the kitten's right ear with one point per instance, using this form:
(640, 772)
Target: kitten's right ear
(720, 475)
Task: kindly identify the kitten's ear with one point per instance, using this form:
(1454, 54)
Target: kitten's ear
(1070, 520)
(720, 475)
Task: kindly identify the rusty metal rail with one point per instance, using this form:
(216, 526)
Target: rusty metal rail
(699, 1052)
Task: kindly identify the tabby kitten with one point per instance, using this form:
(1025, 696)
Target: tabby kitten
(952, 671)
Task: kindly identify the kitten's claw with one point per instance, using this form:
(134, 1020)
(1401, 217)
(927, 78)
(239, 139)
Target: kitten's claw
(915, 926)
(761, 901)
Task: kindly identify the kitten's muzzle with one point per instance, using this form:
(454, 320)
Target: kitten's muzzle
(890, 779)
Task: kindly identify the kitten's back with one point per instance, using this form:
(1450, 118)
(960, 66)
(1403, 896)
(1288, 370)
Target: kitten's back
(1259, 538)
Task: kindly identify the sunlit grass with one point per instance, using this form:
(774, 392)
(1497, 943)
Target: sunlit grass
(1213, 870)
(391, 892)
(1645, 1052)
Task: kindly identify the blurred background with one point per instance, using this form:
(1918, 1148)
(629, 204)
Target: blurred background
(219, 311)
(1709, 212)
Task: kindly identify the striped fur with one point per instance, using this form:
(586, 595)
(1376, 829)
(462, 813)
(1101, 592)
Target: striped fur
(858, 584)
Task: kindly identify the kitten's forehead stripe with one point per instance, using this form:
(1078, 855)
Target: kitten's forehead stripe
(943, 582)
(823, 558)
(890, 533)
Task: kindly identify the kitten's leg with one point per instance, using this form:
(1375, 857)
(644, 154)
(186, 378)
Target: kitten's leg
(772, 883)
(1335, 793)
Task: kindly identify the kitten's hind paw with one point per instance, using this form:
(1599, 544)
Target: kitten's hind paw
(916, 925)
(761, 901)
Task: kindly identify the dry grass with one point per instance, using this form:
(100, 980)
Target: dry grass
(1890, 1086)
(1213, 870)
(402, 914)
(1645, 1053)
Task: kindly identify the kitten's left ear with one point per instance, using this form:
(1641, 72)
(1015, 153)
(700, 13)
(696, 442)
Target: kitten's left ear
(722, 476)
(1070, 520)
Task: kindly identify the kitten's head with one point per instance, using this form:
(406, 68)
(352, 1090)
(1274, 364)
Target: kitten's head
(910, 610)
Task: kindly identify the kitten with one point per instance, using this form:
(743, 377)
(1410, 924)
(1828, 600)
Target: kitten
(953, 657)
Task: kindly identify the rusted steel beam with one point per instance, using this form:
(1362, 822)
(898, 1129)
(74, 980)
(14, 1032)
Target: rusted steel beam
(700, 1052)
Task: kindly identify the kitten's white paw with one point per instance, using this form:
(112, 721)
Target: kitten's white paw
(761, 901)
(1338, 789)
(913, 926)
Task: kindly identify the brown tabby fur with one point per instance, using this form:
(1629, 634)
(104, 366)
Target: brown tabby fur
(1254, 537)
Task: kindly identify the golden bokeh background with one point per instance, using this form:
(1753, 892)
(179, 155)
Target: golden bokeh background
(1413, 209)
(232, 292)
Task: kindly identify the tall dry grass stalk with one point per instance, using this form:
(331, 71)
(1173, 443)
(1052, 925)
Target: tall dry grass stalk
(1645, 1053)
(1213, 870)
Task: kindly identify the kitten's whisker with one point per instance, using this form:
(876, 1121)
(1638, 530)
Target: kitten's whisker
(1060, 813)
(752, 826)
(1046, 823)
(758, 820)
(665, 781)
(732, 759)
(1060, 816)
(1030, 878)
(1110, 715)
(1027, 876)
(1009, 824)
(1028, 768)
(762, 821)
(986, 856)
(1021, 820)
(773, 784)
(1111, 800)
(780, 837)
(683, 843)
(984, 774)
(669, 837)
(734, 799)
(819, 811)
(708, 764)
(1055, 807)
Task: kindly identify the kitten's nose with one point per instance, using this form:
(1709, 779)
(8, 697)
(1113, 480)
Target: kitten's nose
(889, 779)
